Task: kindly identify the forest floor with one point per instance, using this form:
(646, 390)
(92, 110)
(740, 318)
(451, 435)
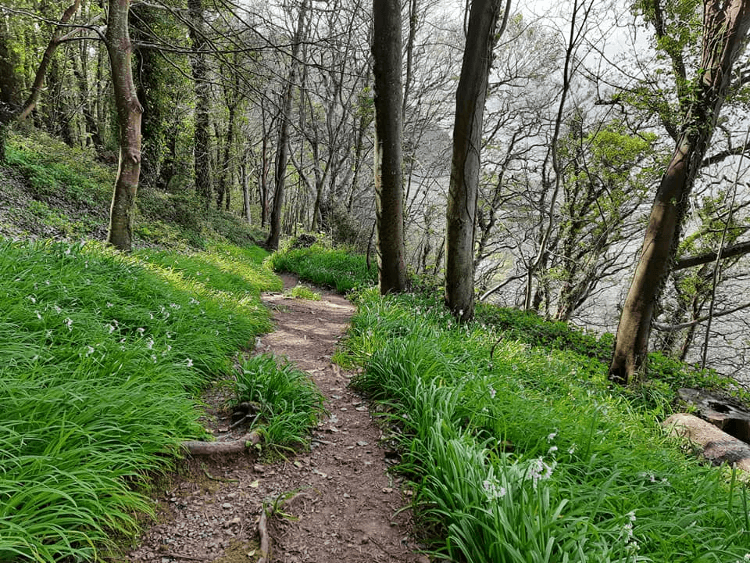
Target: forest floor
(336, 502)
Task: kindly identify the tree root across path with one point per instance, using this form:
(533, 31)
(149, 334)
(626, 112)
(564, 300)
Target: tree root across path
(196, 447)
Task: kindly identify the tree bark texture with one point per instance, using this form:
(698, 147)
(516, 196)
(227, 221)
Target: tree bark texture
(725, 27)
(282, 148)
(202, 137)
(129, 113)
(386, 54)
(467, 141)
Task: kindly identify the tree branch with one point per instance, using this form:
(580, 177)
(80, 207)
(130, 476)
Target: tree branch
(681, 326)
(739, 249)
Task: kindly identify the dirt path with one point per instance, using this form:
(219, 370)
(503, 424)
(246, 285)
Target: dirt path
(342, 507)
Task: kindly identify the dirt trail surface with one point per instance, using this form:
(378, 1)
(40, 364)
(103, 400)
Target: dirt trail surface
(341, 504)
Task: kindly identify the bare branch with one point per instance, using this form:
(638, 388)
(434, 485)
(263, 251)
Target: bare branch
(682, 326)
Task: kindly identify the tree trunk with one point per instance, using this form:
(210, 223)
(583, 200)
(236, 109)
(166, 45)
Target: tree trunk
(467, 140)
(202, 145)
(282, 148)
(245, 193)
(36, 88)
(387, 55)
(725, 26)
(9, 84)
(129, 112)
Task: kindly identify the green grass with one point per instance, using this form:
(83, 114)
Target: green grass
(68, 194)
(101, 356)
(337, 268)
(289, 401)
(56, 171)
(530, 455)
(303, 292)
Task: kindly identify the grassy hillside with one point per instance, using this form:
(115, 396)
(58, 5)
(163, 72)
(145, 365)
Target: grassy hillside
(53, 191)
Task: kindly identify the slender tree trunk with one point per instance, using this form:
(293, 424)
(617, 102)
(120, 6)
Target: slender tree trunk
(202, 145)
(224, 177)
(467, 140)
(36, 88)
(282, 148)
(387, 56)
(9, 85)
(82, 77)
(129, 112)
(725, 26)
(245, 192)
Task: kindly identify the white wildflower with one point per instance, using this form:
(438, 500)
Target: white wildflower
(492, 392)
(189, 363)
(493, 489)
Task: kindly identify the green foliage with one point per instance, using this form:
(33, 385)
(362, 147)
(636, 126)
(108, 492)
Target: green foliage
(304, 292)
(57, 172)
(99, 355)
(232, 270)
(529, 327)
(289, 401)
(519, 452)
(337, 268)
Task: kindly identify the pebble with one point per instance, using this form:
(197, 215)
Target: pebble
(362, 443)
(226, 505)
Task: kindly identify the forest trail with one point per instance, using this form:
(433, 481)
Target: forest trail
(339, 502)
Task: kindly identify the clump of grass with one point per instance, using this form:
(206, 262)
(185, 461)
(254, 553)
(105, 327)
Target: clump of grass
(337, 268)
(289, 401)
(303, 292)
(100, 356)
(528, 455)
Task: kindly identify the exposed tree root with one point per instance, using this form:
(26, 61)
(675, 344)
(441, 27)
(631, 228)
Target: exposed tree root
(196, 447)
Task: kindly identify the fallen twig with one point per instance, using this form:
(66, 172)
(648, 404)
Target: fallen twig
(197, 447)
(265, 540)
(218, 478)
(189, 557)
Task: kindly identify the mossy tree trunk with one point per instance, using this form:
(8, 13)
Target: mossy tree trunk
(129, 113)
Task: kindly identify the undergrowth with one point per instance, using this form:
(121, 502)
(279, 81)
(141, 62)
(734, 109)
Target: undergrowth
(101, 356)
(525, 453)
(332, 267)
